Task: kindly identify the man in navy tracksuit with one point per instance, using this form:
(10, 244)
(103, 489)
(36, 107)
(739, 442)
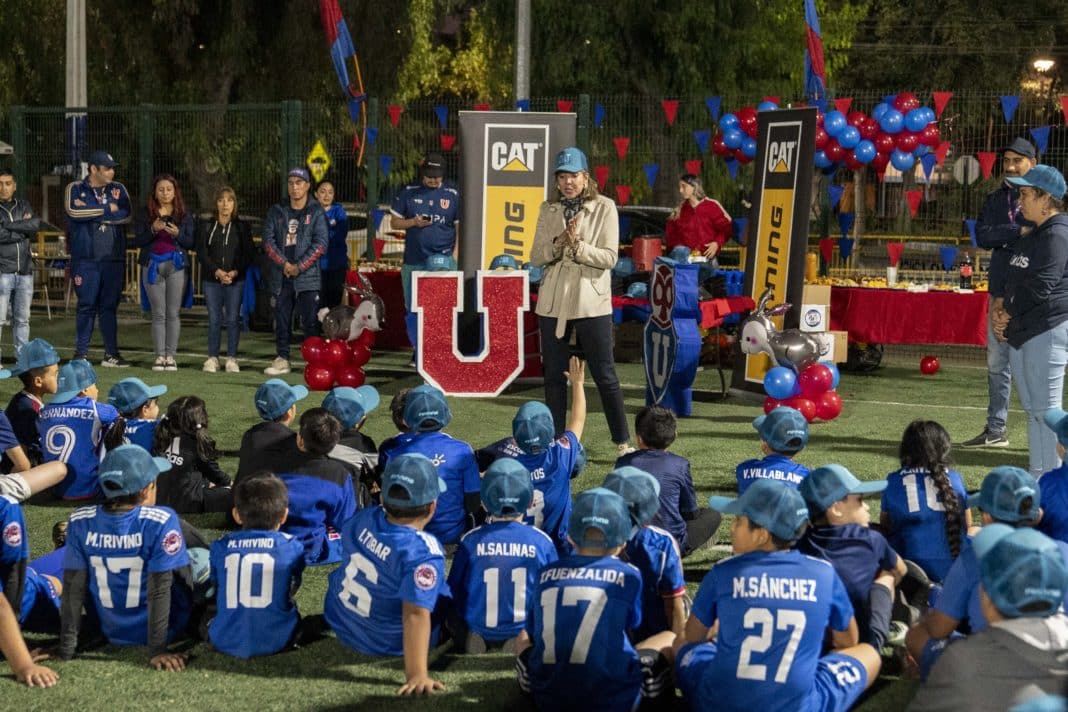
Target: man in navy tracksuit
(98, 210)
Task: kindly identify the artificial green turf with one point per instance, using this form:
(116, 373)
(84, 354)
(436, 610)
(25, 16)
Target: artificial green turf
(324, 675)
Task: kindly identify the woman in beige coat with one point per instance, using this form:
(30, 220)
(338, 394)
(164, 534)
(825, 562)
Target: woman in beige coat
(577, 242)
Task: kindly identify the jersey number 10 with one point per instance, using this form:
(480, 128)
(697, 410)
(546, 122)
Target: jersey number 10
(239, 574)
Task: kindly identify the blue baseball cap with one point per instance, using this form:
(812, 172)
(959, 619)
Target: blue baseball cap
(506, 488)
(129, 394)
(274, 397)
(439, 263)
(534, 273)
(351, 405)
(504, 262)
(298, 172)
(639, 489)
(35, 354)
(128, 469)
(783, 429)
(604, 511)
(1046, 178)
(624, 267)
(828, 484)
(425, 409)
(771, 504)
(571, 160)
(416, 475)
(1022, 570)
(638, 290)
(1057, 420)
(680, 253)
(1003, 492)
(74, 377)
(102, 158)
(533, 428)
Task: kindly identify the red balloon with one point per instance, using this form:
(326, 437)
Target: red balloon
(815, 380)
(821, 139)
(360, 354)
(869, 129)
(771, 404)
(929, 365)
(366, 337)
(828, 405)
(852, 163)
(313, 350)
(819, 118)
(907, 141)
(930, 136)
(806, 407)
(884, 143)
(880, 162)
(834, 151)
(718, 147)
(351, 376)
(856, 119)
(336, 354)
(906, 102)
(319, 378)
(740, 156)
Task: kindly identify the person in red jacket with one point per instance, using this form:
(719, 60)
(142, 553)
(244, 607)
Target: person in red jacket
(699, 223)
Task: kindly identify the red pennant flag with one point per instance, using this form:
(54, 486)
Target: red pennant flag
(776, 100)
(394, 113)
(671, 108)
(622, 194)
(622, 144)
(601, 174)
(447, 141)
(942, 151)
(564, 106)
(894, 250)
(694, 166)
(1064, 108)
(986, 162)
(827, 248)
(941, 98)
(914, 197)
(843, 104)
(482, 107)
(355, 142)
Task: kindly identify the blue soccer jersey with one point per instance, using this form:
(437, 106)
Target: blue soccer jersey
(773, 467)
(140, 431)
(119, 550)
(385, 565)
(442, 206)
(493, 569)
(72, 433)
(14, 542)
(917, 528)
(676, 488)
(656, 555)
(773, 611)
(321, 499)
(255, 574)
(1054, 488)
(456, 465)
(580, 611)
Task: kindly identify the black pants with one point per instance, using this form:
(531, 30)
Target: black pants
(592, 341)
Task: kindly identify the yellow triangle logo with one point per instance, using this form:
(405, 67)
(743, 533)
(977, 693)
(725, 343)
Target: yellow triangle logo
(780, 167)
(516, 165)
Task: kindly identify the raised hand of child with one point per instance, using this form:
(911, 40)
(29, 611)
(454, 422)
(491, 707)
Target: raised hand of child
(576, 371)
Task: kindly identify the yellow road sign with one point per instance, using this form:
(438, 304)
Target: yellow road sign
(318, 161)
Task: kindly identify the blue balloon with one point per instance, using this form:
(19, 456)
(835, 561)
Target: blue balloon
(749, 146)
(833, 368)
(834, 122)
(892, 121)
(780, 382)
(929, 113)
(767, 106)
(921, 150)
(732, 138)
(864, 151)
(821, 160)
(727, 122)
(901, 160)
(916, 120)
(849, 137)
(880, 109)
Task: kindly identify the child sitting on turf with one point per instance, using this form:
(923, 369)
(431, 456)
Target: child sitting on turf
(580, 610)
(426, 412)
(678, 514)
(262, 444)
(73, 426)
(138, 404)
(783, 434)
(924, 512)
(380, 602)
(351, 406)
(256, 573)
(1054, 522)
(653, 551)
(498, 562)
(552, 462)
(195, 482)
(128, 552)
(38, 369)
(1023, 583)
(863, 560)
(773, 606)
(322, 495)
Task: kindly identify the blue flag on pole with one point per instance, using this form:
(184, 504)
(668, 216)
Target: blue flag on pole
(815, 74)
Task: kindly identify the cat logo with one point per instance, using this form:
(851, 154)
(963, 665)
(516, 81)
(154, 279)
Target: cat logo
(515, 156)
(781, 156)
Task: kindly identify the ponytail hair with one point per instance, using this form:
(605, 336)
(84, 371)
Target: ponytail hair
(926, 444)
(186, 416)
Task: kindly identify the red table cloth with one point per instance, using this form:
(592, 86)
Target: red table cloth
(896, 316)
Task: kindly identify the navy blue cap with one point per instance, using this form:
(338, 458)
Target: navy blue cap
(74, 377)
(129, 394)
(533, 428)
(1021, 146)
(1003, 492)
(35, 354)
(299, 172)
(1046, 178)
(639, 489)
(571, 160)
(828, 484)
(770, 504)
(784, 430)
(1022, 571)
(128, 469)
(433, 165)
(416, 475)
(274, 397)
(102, 158)
(351, 405)
(601, 510)
(506, 488)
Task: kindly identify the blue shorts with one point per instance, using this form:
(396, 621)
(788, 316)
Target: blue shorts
(840, 679)
(40, 604)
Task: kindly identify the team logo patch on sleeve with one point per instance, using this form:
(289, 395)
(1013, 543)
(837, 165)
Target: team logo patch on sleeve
(426, 577)
(13, 534)
(172, 542)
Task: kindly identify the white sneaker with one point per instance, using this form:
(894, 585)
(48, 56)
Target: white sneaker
(623, 449)
(231, 366)
(278, 367)
(211, 365)
(160, 364)
(172, 365)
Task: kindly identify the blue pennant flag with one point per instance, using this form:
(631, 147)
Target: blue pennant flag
(714, 103)
(820, 104)
(378, 214)
(443, 115)
(386, 162)
(372, 134)
(845, 246)
(523, 104)
(928, 160)
(740, 225)
(971, 231)
(888, 99)
(651, 172)
(1008, 107)
(732, 168)
(835, 191)
(845, 223)
(598, 115)
(701, 137)
(949, 257)
(1041, 136)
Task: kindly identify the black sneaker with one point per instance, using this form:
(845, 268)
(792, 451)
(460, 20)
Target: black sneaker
(987, 439)
(114, 361)
(80, 356)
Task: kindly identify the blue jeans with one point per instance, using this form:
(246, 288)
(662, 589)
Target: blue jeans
(98, 286)
(17, 289)
(1038, 368)
(224, 307)
(306, 304)
(999, 379)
